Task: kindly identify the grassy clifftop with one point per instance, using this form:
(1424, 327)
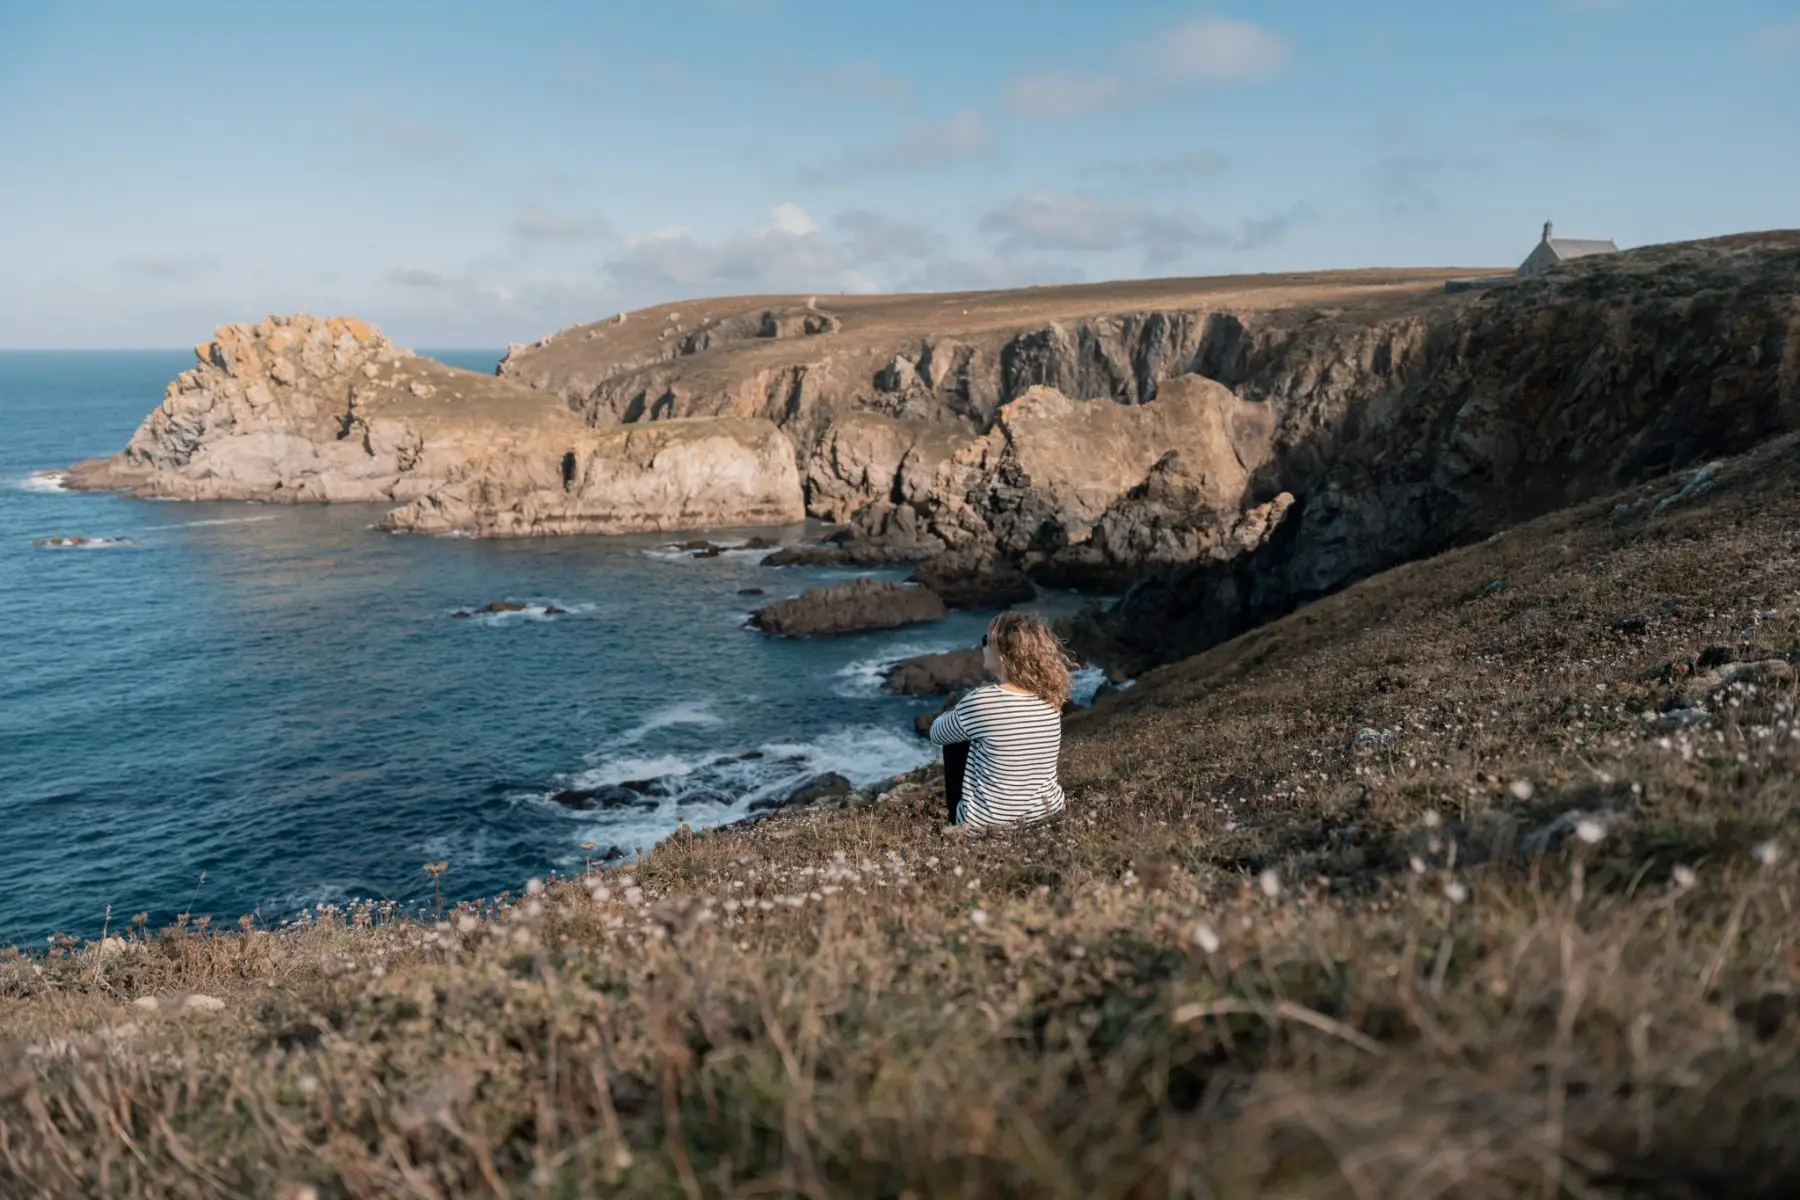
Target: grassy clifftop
(1475, 879)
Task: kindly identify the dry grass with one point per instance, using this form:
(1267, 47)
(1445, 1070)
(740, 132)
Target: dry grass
(1442, 886)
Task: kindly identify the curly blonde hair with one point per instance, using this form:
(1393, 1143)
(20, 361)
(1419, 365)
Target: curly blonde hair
(1032, 656)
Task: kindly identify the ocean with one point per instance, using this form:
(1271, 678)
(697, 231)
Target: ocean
(230, 708)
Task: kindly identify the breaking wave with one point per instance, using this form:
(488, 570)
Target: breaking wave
(44, 481)
(640, 799)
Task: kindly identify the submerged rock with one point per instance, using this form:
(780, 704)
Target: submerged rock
(822, 787)
(849, 607)
(611, 796)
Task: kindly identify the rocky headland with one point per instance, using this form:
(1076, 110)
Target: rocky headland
(309, 409)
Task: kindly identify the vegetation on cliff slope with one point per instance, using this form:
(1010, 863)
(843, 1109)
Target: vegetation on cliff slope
(1475, 879)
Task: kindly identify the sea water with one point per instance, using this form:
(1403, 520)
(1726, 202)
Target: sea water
(231, 708)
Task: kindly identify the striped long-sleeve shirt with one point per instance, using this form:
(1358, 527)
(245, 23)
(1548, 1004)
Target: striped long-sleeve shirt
(1014, 742)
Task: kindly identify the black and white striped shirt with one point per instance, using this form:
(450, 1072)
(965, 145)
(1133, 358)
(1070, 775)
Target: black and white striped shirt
(1015, 739)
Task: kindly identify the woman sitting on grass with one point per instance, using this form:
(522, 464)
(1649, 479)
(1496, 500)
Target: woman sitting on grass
(1001, 741)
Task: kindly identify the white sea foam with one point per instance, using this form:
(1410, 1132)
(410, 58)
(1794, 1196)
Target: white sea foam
(210, 522)
(688, 712)
(738, 551)
(862, 678)
(1087, 681)
(531, 612)
(716, 788)
(44, 481)
(93, 543)
(861, 754)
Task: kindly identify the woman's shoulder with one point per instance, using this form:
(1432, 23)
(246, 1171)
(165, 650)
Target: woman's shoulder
(994, 693)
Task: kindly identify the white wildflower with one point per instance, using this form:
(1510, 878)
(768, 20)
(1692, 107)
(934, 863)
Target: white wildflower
(979, 916)
(534, 887)
(307, 1085)
(1270, 883)
(1418, 865)
(1766, 853)
(1432, 819)
(1590, 830)
(1521, 789)
(1455, 892)
(1685, 878)
(1206, 937)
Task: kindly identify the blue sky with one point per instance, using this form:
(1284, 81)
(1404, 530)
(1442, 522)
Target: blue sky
(469, 174)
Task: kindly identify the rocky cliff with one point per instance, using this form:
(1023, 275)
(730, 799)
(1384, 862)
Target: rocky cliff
(1235, 446)
(310, 409)
(1228, 448)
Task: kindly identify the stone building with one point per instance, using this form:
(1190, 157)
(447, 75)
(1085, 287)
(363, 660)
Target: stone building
(1553, 250)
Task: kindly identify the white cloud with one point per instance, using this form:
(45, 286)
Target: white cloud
(1047, 221)
(1203, 51)
(1215, 50)
(418, 277)
(790, 220)
(873, 237)
(957, 140)
(1073, 223)
(1049, 95)
(170, 268)
(541, 224)
(787, 252)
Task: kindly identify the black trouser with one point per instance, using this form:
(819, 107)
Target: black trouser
(956, 762)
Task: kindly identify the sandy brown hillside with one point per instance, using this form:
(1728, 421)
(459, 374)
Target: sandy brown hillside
(1475, 879)
(728, 337)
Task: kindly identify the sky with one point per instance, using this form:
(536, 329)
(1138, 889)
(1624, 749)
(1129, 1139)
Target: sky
(474, 174)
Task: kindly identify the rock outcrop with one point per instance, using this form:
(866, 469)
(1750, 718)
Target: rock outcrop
(309, 409)
(849, 607)
(976, 579)
(936, 674)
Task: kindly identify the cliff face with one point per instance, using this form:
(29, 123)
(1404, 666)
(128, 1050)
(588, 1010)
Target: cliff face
(671, 475)
(1541, 395)
(1254, 443)
(309, 409)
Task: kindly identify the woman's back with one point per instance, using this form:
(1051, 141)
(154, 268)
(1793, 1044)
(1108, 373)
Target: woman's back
(1015, 739)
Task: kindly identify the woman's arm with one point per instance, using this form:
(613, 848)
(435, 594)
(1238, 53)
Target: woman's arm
(952, 727)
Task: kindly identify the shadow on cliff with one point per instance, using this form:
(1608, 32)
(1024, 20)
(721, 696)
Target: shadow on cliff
(1421, 434)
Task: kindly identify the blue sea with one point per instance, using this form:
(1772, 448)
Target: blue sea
(232, 708)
